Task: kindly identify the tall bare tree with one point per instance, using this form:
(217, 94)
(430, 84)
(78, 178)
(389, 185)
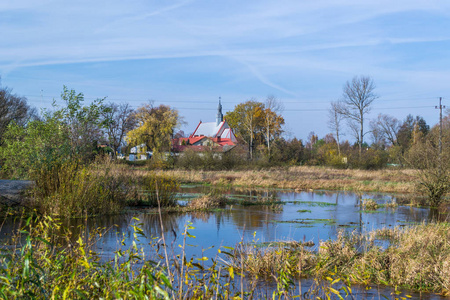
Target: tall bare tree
(357, 97)
(335, 119)
(272, 120)
(119, 120)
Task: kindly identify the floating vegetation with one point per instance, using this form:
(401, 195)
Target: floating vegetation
(314, 203)
(260, 202)
(304, 211)
(308, 221)
(349, 225)
(285, 243)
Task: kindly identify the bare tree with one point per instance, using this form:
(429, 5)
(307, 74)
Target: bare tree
(13, 108)
(272, 119)
(335, 119)
(378, 139)
(119, 120)
(357, 97)
(354, 129)
(388, 128)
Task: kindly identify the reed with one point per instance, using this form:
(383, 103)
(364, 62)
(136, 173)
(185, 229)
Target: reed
(305, 178)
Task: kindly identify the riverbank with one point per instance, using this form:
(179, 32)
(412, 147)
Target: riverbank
(12, 192)
(302, 178)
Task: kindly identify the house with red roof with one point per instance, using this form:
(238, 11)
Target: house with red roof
(217, 136)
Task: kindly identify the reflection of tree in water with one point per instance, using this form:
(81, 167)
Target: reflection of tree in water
(252, 217)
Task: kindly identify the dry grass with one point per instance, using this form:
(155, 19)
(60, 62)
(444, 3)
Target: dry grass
(306, 177)
(207, 202)
(369, 204)
(418, 258)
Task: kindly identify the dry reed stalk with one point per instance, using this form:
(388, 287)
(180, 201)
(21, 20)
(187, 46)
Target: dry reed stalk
(306, 177)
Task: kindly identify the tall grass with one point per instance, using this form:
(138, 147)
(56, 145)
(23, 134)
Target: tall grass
(45, 264)
(418, 258)
(72, 189)
(48, 261)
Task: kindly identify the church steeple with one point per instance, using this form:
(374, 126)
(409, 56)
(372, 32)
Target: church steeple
(219, 117)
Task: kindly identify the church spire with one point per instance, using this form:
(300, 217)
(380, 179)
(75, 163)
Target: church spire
(219, 117)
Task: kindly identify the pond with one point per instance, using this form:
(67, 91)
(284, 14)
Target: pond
(305, 216)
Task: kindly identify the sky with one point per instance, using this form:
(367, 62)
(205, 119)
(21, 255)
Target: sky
(187, 54)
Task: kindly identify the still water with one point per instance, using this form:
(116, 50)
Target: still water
(304, 216)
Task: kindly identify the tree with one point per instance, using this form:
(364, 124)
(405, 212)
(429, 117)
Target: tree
(357, 97)
(411, 131)
(83, 122)
(387, 127)
(433, 169)
(119, 120)
(256, 122)
(335, 118)
(247, 120)
(13, 108)
(155, 127)
(272, 120)
(39, 144)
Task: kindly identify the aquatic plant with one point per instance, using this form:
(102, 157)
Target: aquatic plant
(160, 188)
(207, 202)
(369, 204)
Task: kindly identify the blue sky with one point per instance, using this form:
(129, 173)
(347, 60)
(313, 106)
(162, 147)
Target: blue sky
(188, 53)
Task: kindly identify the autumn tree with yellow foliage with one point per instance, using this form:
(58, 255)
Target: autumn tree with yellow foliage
(155, 127)
(256, 123)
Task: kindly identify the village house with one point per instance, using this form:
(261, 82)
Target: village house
(216, 136)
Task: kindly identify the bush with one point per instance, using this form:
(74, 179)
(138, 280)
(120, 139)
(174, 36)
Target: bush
(72, 190)
(209, 160)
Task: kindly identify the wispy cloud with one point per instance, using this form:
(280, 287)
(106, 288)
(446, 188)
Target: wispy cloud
(299, 49)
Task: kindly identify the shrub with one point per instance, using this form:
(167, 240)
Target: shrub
(209, 160)
(72, 190)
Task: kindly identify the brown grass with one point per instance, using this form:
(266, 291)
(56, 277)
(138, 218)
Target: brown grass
(207, 202)
(418, 258)
(306, 177)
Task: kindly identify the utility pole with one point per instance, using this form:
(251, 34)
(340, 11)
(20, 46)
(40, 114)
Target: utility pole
(440, 107)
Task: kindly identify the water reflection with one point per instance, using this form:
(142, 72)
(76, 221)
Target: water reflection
(310, 216)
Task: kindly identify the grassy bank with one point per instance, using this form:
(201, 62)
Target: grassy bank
(304, 178)
(46, 260)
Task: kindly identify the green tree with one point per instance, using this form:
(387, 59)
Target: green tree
(13, 108)
(69, 132)
(83, 122)
(155, 127)
(38, 144)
